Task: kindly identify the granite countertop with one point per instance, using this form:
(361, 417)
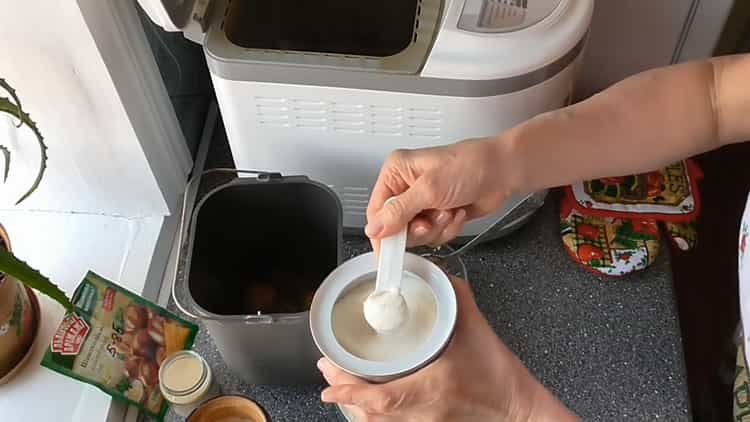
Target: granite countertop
(609, 349)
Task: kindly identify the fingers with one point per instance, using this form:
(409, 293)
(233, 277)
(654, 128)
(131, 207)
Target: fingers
(371, 398)
(347, 397)
(419, 228)
(432, 227)
(397, 213)
(335, 376)
(451, 230)
(357, 414)
(348, 394)
(390, 182)
(427, 228)
(348, 390)
(380, 193)
(436, 227)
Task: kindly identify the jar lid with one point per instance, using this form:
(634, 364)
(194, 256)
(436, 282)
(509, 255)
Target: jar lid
(184, 377)
(351, 273)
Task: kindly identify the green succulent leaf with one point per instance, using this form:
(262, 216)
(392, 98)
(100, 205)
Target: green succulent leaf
(6, 155)
(7, 106)
(6, 86)
(23, 272)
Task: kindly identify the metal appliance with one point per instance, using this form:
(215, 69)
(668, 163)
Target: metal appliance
(328, 88)
(253, 252)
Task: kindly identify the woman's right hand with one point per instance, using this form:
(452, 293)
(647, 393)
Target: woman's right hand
(437, 190)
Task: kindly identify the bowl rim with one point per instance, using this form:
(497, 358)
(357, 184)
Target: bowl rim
(346, 276)
(247, 401)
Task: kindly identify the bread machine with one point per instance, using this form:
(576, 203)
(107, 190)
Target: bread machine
(328, 88)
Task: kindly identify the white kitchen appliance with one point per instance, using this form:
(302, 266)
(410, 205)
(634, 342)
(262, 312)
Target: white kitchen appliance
(328, 88)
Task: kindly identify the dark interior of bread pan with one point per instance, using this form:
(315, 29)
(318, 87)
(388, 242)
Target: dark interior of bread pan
(263, 247)
(381, 28)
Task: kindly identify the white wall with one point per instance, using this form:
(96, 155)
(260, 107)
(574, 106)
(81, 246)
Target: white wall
(114, 144)
(708, 24)
(630, 36)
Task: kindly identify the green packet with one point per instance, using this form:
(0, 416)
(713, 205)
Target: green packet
(116, 340)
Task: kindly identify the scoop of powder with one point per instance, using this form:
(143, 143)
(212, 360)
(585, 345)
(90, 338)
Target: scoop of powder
(385, 310)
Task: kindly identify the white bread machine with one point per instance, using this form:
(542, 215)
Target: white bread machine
(328, 88)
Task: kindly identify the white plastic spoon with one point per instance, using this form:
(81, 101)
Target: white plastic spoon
(385, 309)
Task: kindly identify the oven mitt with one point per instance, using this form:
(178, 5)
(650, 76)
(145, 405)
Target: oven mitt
(612, 225)
(608, 245)
(684, 236)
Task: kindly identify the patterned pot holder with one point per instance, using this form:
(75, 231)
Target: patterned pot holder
(613, 225)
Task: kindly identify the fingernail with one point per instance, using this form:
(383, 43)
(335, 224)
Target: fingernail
(420, 231)
(326, 396)
(443, 217)
(321, 364)
(373, 229)
(460, 215)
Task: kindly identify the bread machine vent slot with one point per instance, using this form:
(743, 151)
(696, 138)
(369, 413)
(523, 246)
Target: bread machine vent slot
(349, 118)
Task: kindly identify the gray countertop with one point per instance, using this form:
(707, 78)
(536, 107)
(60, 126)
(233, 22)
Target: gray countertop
(609, 348)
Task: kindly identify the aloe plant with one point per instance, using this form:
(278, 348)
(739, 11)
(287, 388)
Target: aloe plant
(23, 272)
(9, 264)
(12, 105)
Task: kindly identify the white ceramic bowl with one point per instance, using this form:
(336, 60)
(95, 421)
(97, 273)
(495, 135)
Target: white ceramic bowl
(362, 268)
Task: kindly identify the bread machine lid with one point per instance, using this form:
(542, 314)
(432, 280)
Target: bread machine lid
(495, 16)
(172, 15)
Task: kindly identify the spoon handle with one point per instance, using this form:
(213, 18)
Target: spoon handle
(391, 262)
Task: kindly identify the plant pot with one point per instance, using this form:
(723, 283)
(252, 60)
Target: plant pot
(19, 321)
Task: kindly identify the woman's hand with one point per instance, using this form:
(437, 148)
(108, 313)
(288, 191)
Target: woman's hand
(437, 190)
(476, 379)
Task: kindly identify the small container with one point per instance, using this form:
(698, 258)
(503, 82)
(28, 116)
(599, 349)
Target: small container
(359, 269)
(228, 409)
(186, 381)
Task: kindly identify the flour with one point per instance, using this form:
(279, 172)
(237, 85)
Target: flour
(386, 310)
(356, 336)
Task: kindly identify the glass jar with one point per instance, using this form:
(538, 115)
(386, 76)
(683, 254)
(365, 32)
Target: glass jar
(186, 381)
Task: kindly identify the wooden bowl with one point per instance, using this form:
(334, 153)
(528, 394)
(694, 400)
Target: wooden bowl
(228, 409)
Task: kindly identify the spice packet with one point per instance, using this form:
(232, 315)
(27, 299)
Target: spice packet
(116, 340)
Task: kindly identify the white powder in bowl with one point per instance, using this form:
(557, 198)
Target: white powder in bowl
(356, 336)
(385, 310)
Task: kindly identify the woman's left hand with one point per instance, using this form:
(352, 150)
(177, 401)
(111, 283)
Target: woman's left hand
(477, 378)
